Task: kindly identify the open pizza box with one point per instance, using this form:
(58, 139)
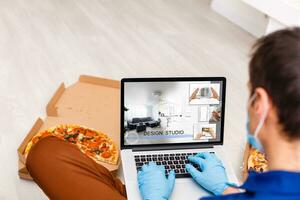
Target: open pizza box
(91, 102)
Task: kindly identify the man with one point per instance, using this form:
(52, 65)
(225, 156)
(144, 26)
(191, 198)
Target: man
(274, 126)
(63, 172)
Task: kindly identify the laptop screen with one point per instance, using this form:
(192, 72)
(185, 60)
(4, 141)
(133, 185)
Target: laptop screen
(172, 111)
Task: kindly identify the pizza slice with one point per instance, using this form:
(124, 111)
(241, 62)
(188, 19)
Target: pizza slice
(96, 145)
(257, 161)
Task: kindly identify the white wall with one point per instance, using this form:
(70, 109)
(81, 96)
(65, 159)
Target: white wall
(242, 14)
(259, 17)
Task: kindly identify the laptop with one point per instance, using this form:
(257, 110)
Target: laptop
(165, 120)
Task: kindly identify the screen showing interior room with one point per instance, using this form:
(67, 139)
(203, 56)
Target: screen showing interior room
(172, 112)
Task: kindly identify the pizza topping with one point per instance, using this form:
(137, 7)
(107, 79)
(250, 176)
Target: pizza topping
(69, 136)
(89, 133)
(86, 138)
(93, 144)
(97, 151)
(106, 154)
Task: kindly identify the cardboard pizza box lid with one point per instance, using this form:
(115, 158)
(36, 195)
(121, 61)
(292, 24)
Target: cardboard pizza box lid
(90, 95)
(92, 102)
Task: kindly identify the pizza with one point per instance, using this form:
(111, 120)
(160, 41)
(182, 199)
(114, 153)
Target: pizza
(96, 145)
(257, 161)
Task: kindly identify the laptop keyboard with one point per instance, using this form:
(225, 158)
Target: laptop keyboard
(176, 161)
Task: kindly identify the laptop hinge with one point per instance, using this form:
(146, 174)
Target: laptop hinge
(153, 148)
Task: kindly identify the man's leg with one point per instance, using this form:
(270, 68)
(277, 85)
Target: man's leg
(63, 172)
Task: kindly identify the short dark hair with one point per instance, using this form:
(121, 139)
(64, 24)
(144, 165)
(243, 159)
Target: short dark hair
(275, 66)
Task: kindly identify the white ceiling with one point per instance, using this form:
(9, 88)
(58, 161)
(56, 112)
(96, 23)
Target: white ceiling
(142, 92)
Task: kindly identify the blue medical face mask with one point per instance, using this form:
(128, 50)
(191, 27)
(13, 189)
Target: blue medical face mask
(253, 138)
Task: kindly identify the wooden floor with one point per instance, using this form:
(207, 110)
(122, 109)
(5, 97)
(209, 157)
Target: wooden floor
(43, 43)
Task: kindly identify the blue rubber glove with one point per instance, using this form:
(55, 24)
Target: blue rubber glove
(153, 183)
(212, 175)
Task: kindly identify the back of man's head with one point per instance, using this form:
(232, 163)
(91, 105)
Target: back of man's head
(275, 66)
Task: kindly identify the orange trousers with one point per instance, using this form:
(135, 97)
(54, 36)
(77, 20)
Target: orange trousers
(64, 173)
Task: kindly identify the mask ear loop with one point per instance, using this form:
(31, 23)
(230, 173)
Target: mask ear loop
(262, 120)
(261, 123)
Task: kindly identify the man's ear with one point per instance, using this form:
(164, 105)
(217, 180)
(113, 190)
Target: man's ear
(262, 101)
